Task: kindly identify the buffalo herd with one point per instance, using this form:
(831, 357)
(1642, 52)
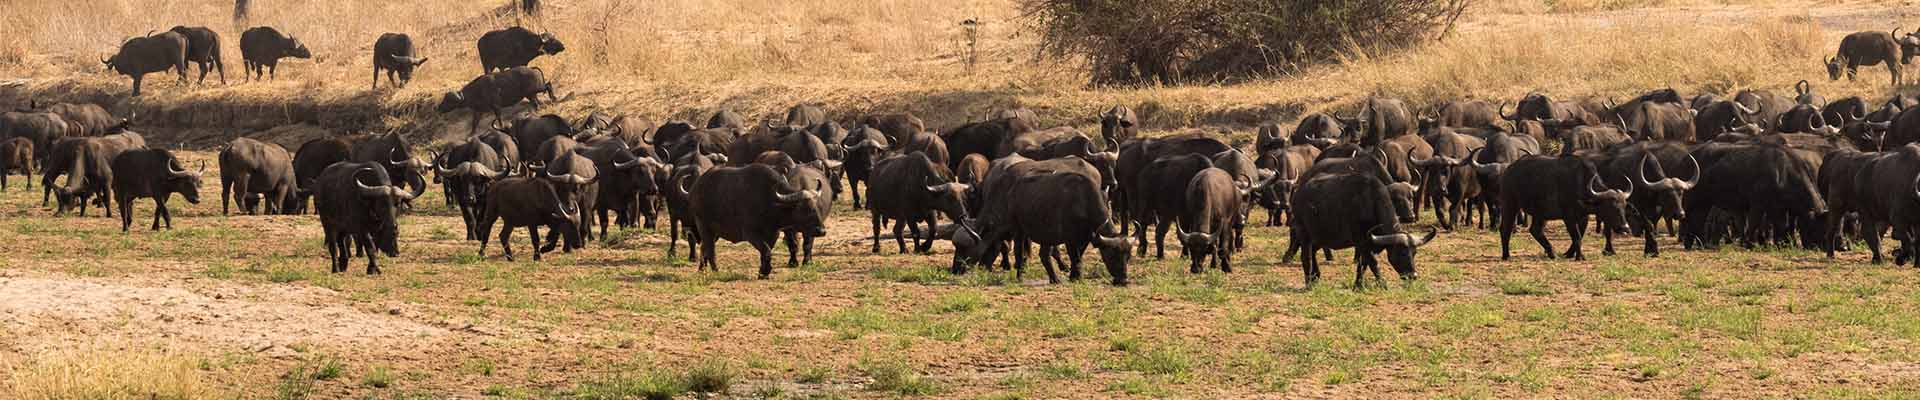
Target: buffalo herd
(1754, 167)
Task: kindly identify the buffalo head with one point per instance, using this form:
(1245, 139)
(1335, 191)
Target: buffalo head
(1400, 247)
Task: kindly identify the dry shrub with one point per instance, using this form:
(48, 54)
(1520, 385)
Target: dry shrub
(1175, 41)
(109, 374)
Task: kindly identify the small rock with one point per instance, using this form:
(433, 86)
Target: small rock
(393, 311)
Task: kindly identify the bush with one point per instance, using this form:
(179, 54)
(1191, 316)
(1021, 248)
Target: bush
(1174, 41)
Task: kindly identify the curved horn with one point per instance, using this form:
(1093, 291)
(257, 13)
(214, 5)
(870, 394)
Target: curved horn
(1431, 233)
(1742, 107)
(1860, 113)
(569, 178)
(628, 164)
(1916, 186)
(1804, 87)
(1644, 181)
(1596, 181)
(1394, 239)
(1190, 237)
(1113, 145)
(795, 196)
(1505, 116)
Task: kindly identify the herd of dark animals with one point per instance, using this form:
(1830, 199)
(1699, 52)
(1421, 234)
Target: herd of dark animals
(1756, 167)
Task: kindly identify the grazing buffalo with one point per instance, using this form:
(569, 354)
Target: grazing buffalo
(752, 204)
(514, 47)
(16, 154)
(1118, 125)
(1318, 129)
(1463, 114)
(394, 53)
(89, 169)
(261, 49)
(1076, 216)
(144, 55)
(203, 47)
(82, 119)
(358, 207)
(1133, 159)
(251, 168)
(1341, 210)
(866, 147)
(497, 90)
(528, 202)
(973, 172)
(686, 170)
(911, 189)
(1872, 48)
(806, 116)
(1565, 188)
(1653, 172)
(152, 173)
(466, 172)
(1206, 227)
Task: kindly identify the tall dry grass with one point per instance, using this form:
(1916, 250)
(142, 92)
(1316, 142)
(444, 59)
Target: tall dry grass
(684, 58)
(104, 374)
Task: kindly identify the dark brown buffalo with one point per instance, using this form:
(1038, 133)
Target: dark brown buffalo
(1118, 125)
(1077, 216)
(42, 128)
(1401, 149)
(1845, 111)
(465, 172)
(1341, 210)
(711, 142)
(1206, 227)
(504, 146)
(155, 174)
(1158, 205)
(1844, 199)
(394, 53)
(1265, 138)
(16, 154)
(727, 119)
(686, 170)
(537, 132)
(1048, 144)
(1447, 181)
(1660, 121)
(1463, 114)
(203, 47)
(1872, 48)
(925, 143)
(1722, 117)
(532, 203)
(1767, 106)
(973, 172)
(514, 47)
(1540, 107)
(1660, 174)
(1379, 120)
(82, 119)
(144, 55)
(88, 164)
(987, 138)
(630, 178)
(1022, 113)
(1804, 118)
(250, 168)
(1318, 129)
(806, 116)
(358, 207)
(578, 181)
(1759, 183)
(1284, 168)
(1905, 129)
(497, 90)
(866, 147)
(1490, 163)
(752, 204)
(808, 177)
(1568, 189)
(261, 49)
(390, 151)
(910, 189)
(1701, 101)
(1591, 138)
(1136, 154)
(897, 127)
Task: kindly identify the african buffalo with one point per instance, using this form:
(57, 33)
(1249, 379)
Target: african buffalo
(1759, 182)
(358, 207)
(203, 47)
(514, 47)
(1206, 226)
(1118, 125)
(528, 202)
(261, 49)
(1158, 205)
(144, 55)
(467, 171)
(1563, 188)
(89, 169)
(1653, 170)
(394, 53)
(250, 167)
(910, 189)
(685, 171)
(497, 90)
(1872, 48)
(1076, 217)
(152, 173)
(1341, 210)
(1320, 130)
(16, 154)
(752, 204)
(866, 147)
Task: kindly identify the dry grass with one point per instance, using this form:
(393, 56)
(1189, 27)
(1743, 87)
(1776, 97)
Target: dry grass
(105, 374)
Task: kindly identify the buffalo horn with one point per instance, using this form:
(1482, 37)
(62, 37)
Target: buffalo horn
(796, 196)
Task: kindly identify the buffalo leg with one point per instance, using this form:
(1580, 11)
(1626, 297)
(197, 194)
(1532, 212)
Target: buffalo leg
(1074, 252)
(160, 207)
(1652, 248)
(673, 235)
(1539, 231)
(126, 214)
(926, 242)
(706, 254)
(1047, 260)
(533, 234)
(899, 235)
(807, 250)
(1360, 260)
(1506, 234)
(373, 257)
(1309, 266)
(1224, 256)
(226, 190)
(333, 251)
(1140, 234)
(876, 233)
(1576, 229)
(765, 247)
(793, 248)
(1160, 238)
